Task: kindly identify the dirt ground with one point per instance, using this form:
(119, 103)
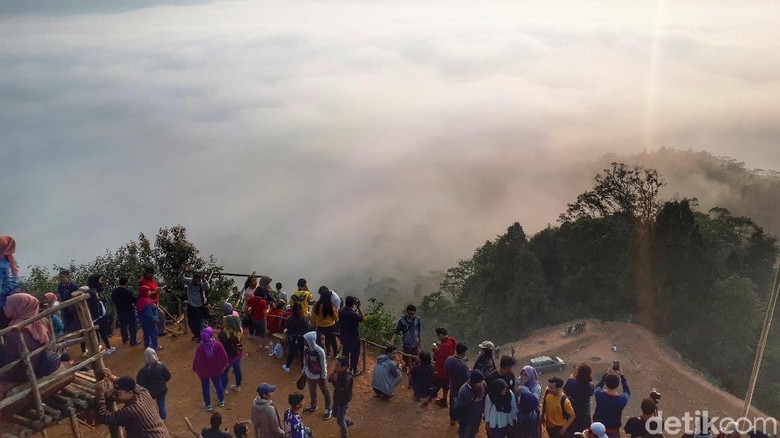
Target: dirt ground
(647, 360)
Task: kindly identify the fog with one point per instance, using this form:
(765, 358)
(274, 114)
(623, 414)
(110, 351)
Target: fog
(345, 140)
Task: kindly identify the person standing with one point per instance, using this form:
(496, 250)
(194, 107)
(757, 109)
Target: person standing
(609, 402)
(505, 372)
(230, 337)
(9, 273)
(303, 297)
(342, 394)
(557, 411)
(265, 417)
(209, 364)
(640, 427)
(154, 294)
(441, 351)
(387, 374)
(154, 376)
(250, 287)
(99, 309)
(458, 374)
(409, 329)
(293, 426)
(529, 381)
(325, 316)
(124, 301)
(315, 367)
(280, 294)
(56, 318)
(500, 410)
(485, 362)
(275, 323)
(350, 317)
(65, 290)
(257, 307)
(139, 415)
(471, 405)
(297, 326)
(147, 314)
(197, 302)
(579, 388)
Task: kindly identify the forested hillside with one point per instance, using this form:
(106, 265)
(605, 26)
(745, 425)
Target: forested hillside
(619, 252)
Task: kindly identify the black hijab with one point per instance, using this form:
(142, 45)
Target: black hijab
(503, 402)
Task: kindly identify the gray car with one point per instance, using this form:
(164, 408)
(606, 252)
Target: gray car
(546, 364)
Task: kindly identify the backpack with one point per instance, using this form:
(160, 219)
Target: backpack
(563, 407)
(232, 345)
(312, 358)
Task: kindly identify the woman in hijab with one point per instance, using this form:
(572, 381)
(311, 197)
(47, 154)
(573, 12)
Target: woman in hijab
(9, 273)
(485, 362)
(529, 379)
(230, 337)
(154, 377)
(20, 307)
(50, 300)
(209, 364)
(147, 314)
(500, 409)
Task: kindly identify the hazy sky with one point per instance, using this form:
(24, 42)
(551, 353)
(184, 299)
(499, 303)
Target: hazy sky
(338, 139)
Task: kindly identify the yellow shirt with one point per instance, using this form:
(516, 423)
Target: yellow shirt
(553, 417)
(303, 297)
(321, 321)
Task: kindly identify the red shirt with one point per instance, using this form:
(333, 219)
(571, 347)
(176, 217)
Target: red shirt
(152, 285)
(259, 307)
(274, 323)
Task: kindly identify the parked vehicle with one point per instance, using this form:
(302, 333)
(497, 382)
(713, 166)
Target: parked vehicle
(546, 364)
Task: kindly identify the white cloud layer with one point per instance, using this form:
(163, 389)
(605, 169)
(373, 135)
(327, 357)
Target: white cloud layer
(337, 140)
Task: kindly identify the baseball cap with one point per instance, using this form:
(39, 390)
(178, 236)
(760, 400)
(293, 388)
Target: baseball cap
(487, 345)
(598, 429)
(265, 389)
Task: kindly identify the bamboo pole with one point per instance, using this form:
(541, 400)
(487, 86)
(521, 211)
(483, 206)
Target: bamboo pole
(31, 376)
(97, 366)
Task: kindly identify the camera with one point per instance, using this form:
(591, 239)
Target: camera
(616, 365)
(655, 395)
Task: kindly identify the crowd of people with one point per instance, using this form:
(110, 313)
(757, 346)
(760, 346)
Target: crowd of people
(316, 333)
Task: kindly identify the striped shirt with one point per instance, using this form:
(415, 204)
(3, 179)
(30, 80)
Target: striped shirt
(140, 416)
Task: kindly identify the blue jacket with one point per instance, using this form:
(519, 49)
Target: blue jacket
(386, 375)
(149, 314)
(609, 408)
(9, 282)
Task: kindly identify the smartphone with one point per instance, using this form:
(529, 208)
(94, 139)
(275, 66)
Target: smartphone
(616, 365)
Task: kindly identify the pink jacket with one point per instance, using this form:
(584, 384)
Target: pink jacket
(208, 367)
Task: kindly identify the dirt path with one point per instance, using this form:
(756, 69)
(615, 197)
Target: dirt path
(648, 362)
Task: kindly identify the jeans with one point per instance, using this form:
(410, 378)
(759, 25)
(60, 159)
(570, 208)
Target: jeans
(330, 339)
(128, 327)
(499, 432)
(554, 432)
(341, 419)
(104, 325)
(313, 384)
(294, 349)
(194, 319)
(468, 430)
(161, 406)
(207, 389)
(350, 348)
(260, 326)
(236, 365)
(150, 334)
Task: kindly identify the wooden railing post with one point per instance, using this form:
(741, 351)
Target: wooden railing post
(93, 344)
(31, 375)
